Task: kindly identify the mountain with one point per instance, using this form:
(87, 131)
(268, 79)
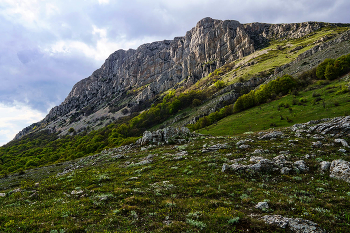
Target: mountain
(265, 147)
(131, 80)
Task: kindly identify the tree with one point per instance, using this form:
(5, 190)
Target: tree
(331, 72)
(321, 68)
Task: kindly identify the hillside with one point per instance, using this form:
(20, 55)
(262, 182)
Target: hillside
(130, 81)
(268, 108)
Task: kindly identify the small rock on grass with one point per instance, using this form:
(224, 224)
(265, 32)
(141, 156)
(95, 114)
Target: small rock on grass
(262, 205)
(325, 165)
(342, 141)
(340, 169)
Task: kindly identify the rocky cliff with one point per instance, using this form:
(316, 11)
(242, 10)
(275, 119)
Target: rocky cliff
(128, 78)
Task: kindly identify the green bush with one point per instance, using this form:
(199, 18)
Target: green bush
(219, 84)
(321, 68)
(280, 86)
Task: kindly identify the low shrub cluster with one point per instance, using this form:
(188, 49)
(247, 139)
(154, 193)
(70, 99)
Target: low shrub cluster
(280, 86)
(332, 68)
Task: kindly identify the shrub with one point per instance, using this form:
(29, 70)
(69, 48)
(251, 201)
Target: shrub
(331, 72)
(196, 223)
(233, 221)
(219, 84)
(321, 68)
(279, 86)
(196, 102)
(71, 130)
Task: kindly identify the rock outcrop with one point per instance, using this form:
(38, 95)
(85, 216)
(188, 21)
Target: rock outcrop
(296, 225)
(340, 169)
(336, 126)
(130, 78)
(166, 135)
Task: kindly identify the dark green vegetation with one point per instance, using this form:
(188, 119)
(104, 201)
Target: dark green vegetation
(124, 195)
(44, 148)
(280, 87)
(323, 99)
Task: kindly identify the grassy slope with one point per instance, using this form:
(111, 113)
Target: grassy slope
(188, 195)
(270, 58)
(261, 117)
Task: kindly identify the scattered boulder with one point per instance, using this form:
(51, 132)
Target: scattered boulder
(255, 159)
(2, 194)
(271, 135)
(342, 141)
(77, 192)
(260, 151)
(335, 126)
(317, 144)
(325, 165)
(166, 135)
(261, 166)
(243, 147)
(301, 166)
(342, 150)
(180, 155)
(214, 147)
(285, 170)
(297, 225)
(340, 169)
(119, 156)
(244, 141)
(280, 160)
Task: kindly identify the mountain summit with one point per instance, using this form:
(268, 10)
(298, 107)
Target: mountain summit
(129, 80)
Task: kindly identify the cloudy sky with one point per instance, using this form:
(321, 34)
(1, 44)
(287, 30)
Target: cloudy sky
(46, 46)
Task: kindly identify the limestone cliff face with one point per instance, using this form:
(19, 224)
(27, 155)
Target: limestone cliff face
(156, 67)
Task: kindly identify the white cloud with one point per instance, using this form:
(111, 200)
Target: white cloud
(101, 2)
(13, 118)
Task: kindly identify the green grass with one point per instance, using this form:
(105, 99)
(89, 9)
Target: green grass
(270, 116)
(274, 58)
(188, 195)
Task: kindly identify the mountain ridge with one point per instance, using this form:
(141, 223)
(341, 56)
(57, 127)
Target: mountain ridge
(129, 78)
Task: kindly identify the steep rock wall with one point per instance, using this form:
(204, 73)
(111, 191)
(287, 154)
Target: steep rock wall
(156, 67)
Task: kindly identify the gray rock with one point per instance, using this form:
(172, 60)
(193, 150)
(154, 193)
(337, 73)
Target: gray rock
(76, 192)
(340, 169)
(164, 135)
(337, 125)
(342, 141)
(243, 146)
(258, 151)
(300, 164)
(215, 147)
(280, 159)
(295, 225)
(255, 159)
(262, 205)
(274, 134)
(2, 194)
(180, 155)
(119, 156)
(285, 170)
(342, 150)
(244, 141)
(325, 165)
(317, 144)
